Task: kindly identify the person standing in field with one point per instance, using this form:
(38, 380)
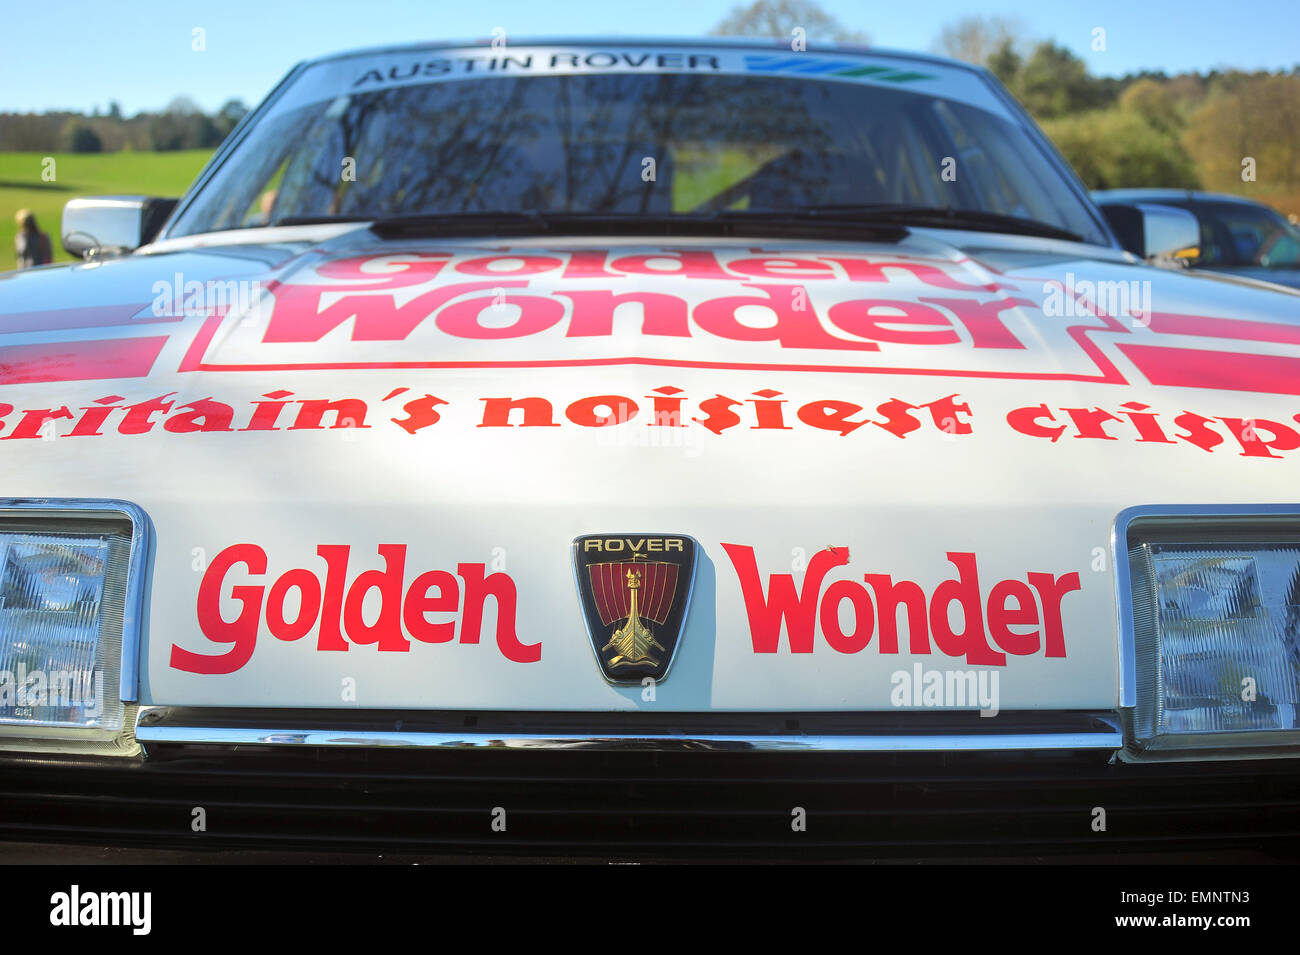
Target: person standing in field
(31, 244)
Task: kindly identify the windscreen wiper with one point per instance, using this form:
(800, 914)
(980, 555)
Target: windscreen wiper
(942, 217)
(534, 222)
(880, 223)
(457, 223)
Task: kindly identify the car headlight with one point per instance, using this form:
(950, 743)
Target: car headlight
(1210, 602)
(71, 592)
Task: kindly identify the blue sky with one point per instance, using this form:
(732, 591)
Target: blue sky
(65, 54)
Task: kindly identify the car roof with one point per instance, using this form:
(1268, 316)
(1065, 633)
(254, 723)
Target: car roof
(701, 43)
(1156, 195)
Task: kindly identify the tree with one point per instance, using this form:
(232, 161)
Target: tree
(182, 126)
(182, 106)
(1114, 149)
(977, 39)
(1005, 63)
(1054, 82)
(228, 117)
(166, 132)
(779, 18)
(1187, 90)
(80, 138)
(1155, 102)
(1254, 116)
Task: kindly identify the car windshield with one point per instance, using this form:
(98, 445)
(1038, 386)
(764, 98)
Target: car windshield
(634, 144)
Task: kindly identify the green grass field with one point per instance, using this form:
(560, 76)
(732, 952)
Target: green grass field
(82, 174)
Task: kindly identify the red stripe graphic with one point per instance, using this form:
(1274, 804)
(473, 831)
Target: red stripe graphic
(99, 316)
(613, 600)
(79, 361)
(1208, 327)
(1225, 370)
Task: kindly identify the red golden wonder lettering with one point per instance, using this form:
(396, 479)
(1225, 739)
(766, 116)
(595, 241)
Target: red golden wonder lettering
(333, 606)
(985, 638)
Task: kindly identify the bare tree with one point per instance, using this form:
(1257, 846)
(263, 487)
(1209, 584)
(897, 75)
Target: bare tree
(779, 19)
(182, 106)
(975, 39)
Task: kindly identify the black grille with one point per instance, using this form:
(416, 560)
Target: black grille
(629, 804)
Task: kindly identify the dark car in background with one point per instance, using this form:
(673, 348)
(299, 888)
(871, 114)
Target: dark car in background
(1238, 235)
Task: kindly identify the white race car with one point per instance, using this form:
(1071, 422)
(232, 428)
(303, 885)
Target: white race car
(618, 447)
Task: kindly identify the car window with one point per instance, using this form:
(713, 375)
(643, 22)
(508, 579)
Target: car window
(1247, 235)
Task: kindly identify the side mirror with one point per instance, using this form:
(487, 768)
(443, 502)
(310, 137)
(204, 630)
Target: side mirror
(112, 225)
(1152, 231)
